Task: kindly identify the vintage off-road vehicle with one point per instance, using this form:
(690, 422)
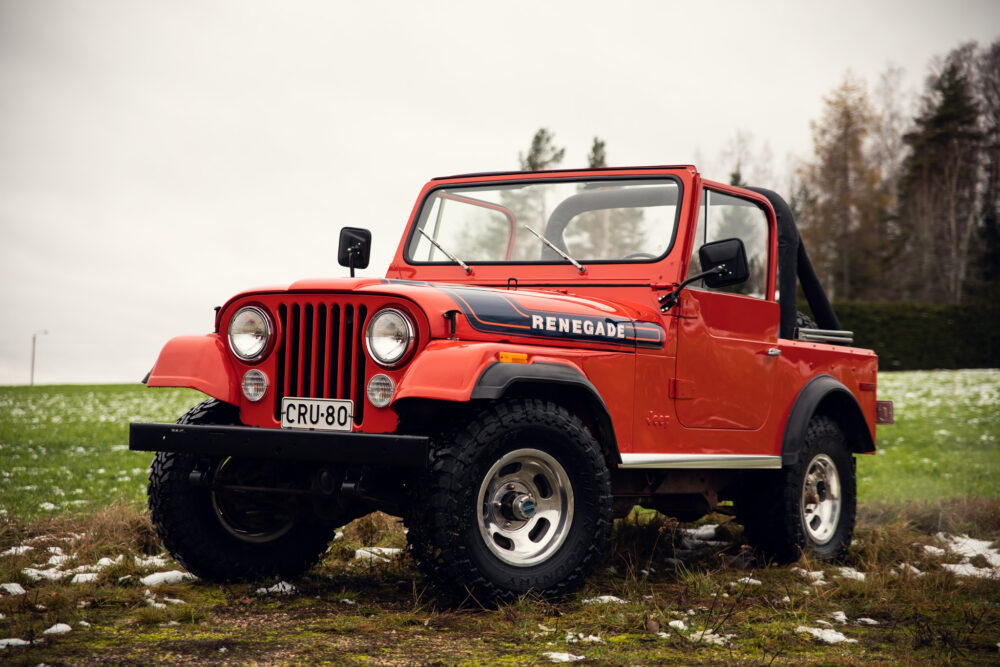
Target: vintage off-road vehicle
(546, 351)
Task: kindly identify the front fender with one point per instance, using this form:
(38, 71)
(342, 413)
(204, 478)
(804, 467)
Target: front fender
(447, 370)
(197, 362)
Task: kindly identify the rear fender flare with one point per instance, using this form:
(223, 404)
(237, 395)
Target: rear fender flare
(825, 395)
(501, 379)
(197, 362)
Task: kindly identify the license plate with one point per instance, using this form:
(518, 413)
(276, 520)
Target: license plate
(320, 414)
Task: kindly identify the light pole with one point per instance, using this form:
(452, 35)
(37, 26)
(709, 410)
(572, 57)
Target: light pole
(34, 338)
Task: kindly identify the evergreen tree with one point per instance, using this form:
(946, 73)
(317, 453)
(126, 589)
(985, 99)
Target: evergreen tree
(939, 192)
(988, 260)
(543, 153)
(597, 158)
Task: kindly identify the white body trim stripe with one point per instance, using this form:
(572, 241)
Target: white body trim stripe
(700, 461)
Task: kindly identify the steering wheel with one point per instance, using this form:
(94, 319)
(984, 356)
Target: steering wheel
(639, 255)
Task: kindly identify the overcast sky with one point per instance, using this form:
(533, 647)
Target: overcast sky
(157, 157)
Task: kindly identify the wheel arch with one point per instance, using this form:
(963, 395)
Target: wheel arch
(825, 395)
(559, 383)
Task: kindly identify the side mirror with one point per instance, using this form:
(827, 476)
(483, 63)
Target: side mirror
(725, 263)
(355, 248)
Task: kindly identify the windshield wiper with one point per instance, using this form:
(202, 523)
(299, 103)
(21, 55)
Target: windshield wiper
(468, 269)
(549, 243)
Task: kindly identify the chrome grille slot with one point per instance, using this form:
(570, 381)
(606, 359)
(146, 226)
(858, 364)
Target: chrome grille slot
(321, 354)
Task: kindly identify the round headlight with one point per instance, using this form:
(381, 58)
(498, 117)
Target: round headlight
(249, 333)
(389, 336)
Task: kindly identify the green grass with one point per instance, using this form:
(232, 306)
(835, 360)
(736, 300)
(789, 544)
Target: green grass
(934, 475)
(65, 448)
(946, 439)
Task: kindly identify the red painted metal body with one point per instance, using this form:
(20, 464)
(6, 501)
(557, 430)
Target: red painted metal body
(711, 376)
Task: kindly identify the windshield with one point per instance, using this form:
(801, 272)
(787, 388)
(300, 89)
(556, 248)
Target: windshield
(589, 221)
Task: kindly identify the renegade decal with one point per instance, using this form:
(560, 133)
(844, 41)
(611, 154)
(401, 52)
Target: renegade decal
(492, 312)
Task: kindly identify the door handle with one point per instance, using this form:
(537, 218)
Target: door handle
(773, 352)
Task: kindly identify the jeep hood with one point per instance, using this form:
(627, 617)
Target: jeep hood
(482, 313)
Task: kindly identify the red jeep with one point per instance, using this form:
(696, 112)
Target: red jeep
(546, 351)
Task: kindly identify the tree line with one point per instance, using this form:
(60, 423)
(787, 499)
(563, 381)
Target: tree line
(892, 205)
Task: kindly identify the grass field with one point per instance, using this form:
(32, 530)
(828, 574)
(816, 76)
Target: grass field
(72, 499)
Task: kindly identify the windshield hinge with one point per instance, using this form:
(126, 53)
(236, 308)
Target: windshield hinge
(512, 284)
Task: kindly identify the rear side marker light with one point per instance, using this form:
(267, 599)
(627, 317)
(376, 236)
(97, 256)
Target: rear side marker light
(513, 358)
(883, 413)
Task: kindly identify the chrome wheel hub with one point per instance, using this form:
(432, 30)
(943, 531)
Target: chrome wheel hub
(821, 499)
(525, 507)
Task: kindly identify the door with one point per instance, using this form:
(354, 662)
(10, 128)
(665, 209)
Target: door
(727, 338)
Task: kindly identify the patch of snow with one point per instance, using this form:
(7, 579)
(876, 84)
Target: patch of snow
(709, 637)
(171, 577)
(52, 574)
(746, 581)
(907, 569)
(826, 635)
(970, 570)
(281, 588)
(13, 589)
(827, 624)
(604, 599)
(17, 551)
(151, 561)
(968, 548)
(376, 554)
(58, 629)
(839, 616)
(864, 620)
(936, 552)
(580, 638)
(13, 641)
(348, 601)
(850, 573)
(83, 624)
(678, 625)
(562, 657)
(107, 562)
(963, 545)
(46, 507)
(173, 601)
(702, 533)
(816, 575)
(84, 578)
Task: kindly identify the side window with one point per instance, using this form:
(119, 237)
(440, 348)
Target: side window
(725, 217)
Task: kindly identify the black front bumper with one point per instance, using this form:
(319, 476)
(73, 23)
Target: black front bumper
(405, 451)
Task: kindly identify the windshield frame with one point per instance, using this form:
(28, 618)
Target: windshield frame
(423, 213)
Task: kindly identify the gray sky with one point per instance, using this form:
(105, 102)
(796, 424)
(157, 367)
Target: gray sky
(157, 157)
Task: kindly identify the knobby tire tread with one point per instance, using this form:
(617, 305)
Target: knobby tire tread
(185, 522)
(439, 516)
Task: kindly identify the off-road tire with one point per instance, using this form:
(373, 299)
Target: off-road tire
(774, 510)
(186, 519)
(448, 526)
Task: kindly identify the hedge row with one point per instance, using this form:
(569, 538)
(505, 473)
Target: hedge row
(921, 336)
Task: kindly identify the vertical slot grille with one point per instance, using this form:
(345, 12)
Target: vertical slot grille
(322, 353)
